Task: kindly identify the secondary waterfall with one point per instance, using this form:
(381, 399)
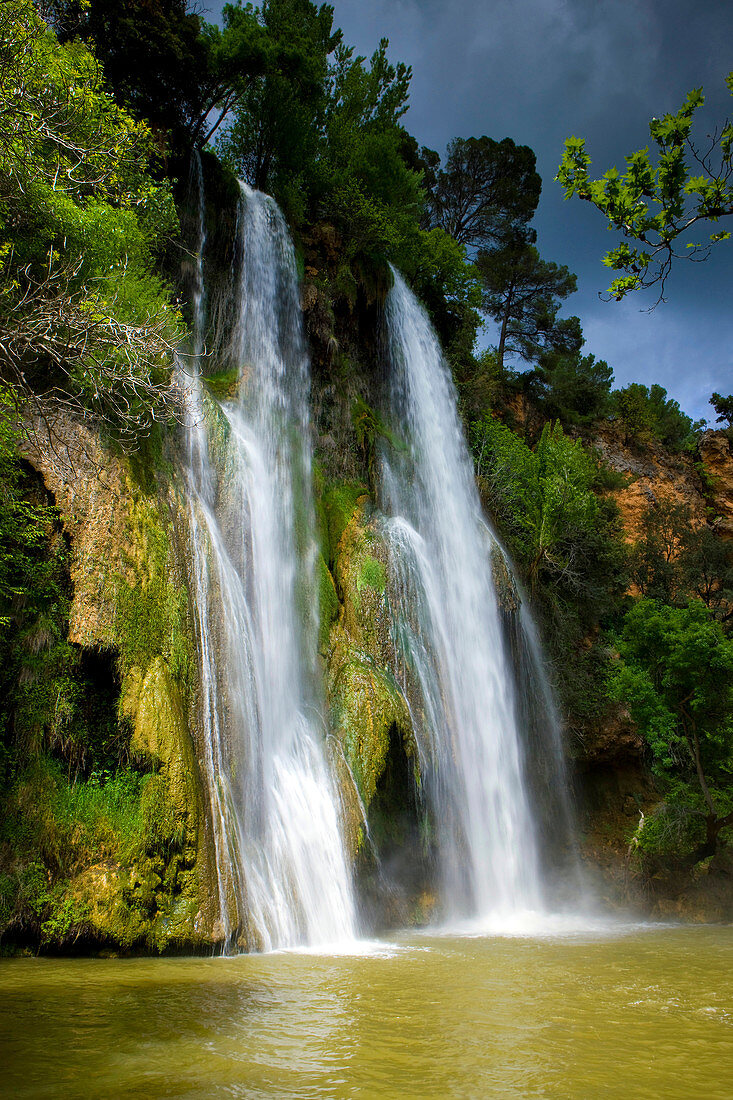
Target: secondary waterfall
(456, 667)
(283, 876)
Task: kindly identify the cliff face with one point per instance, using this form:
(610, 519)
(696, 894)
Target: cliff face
(151, 887)
(654, 475)
(716, 451)
(615, 790)
(137, 876)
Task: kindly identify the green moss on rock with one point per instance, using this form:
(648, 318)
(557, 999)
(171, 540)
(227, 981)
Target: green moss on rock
(223, 385)
(366, 703)
(328, 603)
(373, 575)
(339, 502)
(119, 859)
(367, 708)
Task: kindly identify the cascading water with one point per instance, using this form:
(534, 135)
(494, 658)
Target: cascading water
(456, 666)
(283, 877)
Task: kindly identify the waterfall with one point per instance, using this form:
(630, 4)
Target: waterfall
(282, 873)
(456, 665)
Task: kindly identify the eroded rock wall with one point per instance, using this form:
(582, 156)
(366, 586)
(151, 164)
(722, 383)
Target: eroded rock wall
(130, 600)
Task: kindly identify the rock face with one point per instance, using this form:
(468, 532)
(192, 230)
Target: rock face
(130, 600)
(126, 533)
(614, 788)
(716, 452)
(653, 475)
(366, 705)
(374, 751)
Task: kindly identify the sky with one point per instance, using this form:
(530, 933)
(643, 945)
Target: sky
(538, 71)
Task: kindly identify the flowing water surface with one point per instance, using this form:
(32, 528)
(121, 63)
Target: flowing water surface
(468, 694)
(282, 872)
(637, 1013)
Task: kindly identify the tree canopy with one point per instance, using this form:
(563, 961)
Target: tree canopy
(83, 318)
(487, 191)
(675, 672)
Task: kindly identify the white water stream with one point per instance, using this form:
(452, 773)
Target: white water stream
(456, 666)
(283, 876)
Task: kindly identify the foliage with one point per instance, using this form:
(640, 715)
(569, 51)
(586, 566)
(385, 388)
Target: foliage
(58, 832)
(82, 320)
(154, 55)
(486, 193)
(655, 565)
(706, 564)
(674, 560)
(574, 388)
(655, 206)
(724, 408)
(565, 540)
(320, 128)
(674, 673)
(543, 499)
(23, 524)
(647, 413)
(278, 118)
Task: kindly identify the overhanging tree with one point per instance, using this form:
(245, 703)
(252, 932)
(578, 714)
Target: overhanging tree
(83, 321)
(659, 208)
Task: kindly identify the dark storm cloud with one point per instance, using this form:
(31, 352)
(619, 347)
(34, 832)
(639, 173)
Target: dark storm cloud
(541, 70)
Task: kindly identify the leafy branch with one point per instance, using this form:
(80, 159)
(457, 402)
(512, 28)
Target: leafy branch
(658, 204)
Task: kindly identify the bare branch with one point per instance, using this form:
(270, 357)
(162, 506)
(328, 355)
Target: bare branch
(100, 367)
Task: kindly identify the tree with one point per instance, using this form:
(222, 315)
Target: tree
(655, 556)
(279, 116)
(657, 206)
(543, 499)
(575, 388)
(706, 568)
(369, 175)
(154, 57)
(675, 560)
(724, 408)
(487, 191)
(675, 673)
(647, 412)
(522, 293)
(165, 64)
(83, 322)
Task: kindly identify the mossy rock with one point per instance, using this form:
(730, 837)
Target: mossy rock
(223, 385)
(129, 600)
(366, 703)
(338, 505)
(360, 572)
(504, 583)
(328, 603)
(101, 889)
(160, 736)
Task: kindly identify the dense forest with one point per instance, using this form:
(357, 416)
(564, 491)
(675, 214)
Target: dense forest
(104, 107)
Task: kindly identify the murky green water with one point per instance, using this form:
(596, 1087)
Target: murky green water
(646, 1014)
